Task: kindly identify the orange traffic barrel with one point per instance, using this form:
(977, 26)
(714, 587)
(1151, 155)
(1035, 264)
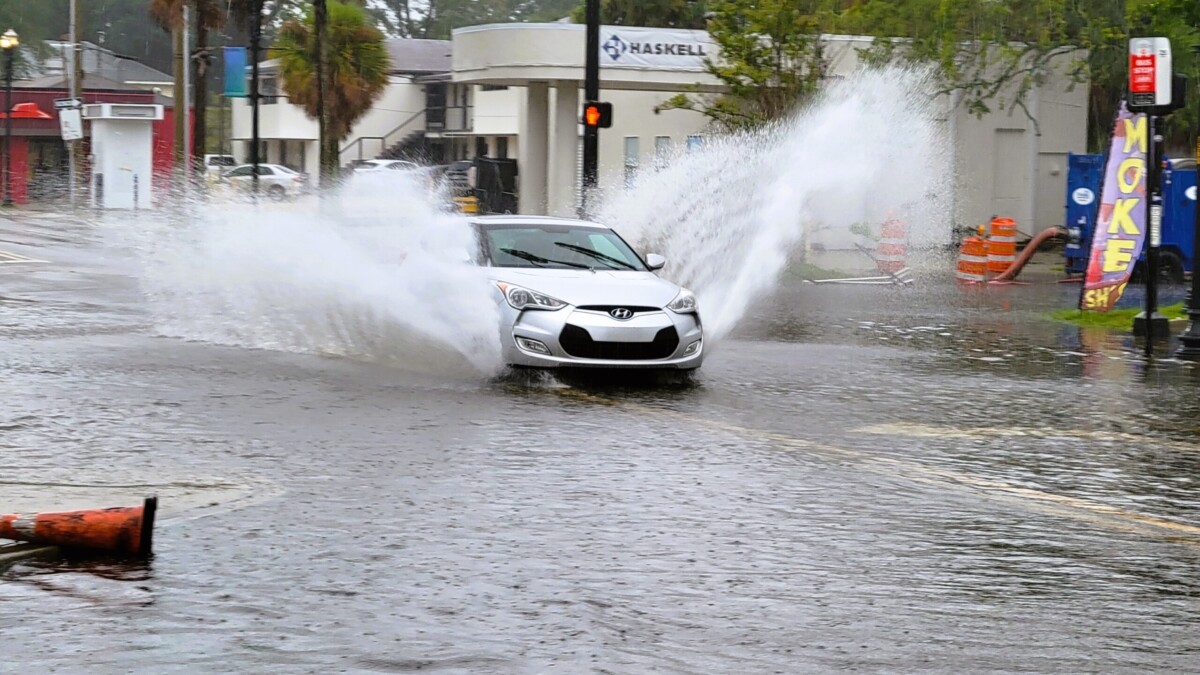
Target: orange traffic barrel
(1002, 245)
(972, 261)
(892, 251)
(123, 529)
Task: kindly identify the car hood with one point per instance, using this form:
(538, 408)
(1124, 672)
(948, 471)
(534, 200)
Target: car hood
(602, 287)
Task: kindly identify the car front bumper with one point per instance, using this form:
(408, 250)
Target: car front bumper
(578, 338)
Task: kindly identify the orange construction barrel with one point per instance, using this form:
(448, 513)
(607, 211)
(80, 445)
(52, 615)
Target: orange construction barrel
(972, 261)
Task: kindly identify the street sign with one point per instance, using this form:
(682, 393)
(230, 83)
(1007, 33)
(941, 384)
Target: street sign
(71, 122)
(68, 103)
(1149, 72)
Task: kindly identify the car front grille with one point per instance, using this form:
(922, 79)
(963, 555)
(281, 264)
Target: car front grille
(578, 342)
(636, 309)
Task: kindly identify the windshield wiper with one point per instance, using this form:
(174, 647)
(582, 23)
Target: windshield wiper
(595, 254)
(539, 260)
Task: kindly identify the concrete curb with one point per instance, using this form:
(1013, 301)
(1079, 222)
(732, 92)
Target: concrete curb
(14, 554)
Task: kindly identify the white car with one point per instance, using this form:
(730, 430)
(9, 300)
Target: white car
(274, 180)
(217, 164)
(573, 294)
(373, 165)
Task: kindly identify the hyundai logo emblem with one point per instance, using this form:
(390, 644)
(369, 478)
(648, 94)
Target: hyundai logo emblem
(621, 314)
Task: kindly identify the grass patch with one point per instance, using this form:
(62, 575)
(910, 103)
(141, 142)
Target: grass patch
(1118, 319)
(804, 270)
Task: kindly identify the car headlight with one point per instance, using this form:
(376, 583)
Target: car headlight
(523, 298)
(684, 303)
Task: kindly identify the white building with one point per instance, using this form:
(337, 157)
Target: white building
(515, 91)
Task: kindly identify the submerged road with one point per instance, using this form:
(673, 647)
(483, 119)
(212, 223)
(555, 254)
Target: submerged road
(929, 479)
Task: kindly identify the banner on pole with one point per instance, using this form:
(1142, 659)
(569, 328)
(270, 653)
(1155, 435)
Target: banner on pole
(1120, 228)
(235, 72)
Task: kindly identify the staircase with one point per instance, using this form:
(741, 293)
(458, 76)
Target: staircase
(411, 146)
(414, 147)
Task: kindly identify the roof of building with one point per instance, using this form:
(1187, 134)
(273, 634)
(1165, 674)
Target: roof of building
(90, 83)
(418, 56)
(107, 64)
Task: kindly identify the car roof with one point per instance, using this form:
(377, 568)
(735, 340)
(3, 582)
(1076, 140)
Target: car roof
(534, 220)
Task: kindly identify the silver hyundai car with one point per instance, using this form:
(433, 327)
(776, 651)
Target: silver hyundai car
(574, 294)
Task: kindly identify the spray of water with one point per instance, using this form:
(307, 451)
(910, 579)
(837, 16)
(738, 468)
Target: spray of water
(375, 271)
(729, 216)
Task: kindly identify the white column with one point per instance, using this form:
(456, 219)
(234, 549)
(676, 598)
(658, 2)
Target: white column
(535, 130)
(564, 148)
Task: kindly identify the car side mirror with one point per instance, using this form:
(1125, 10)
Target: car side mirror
(655, 261)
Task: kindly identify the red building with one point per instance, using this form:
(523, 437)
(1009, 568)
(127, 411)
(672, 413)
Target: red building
(39, 155)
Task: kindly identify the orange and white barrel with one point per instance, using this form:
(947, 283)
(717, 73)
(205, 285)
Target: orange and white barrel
(891, 255)
(1002, 245)
(972, 261)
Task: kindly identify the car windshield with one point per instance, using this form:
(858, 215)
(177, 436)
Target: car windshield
(557, 247)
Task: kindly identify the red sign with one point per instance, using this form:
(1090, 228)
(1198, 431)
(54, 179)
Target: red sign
(1141, 73)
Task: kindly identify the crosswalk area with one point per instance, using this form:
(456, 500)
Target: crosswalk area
(9, 258)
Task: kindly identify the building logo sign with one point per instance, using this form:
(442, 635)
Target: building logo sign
(657, 48)
(615, 47)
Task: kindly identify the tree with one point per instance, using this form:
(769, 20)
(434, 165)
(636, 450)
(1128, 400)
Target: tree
(357, 72)
(995, 53)
(653, 13)
(771, 60)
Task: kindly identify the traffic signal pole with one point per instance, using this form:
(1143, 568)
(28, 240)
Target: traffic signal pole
(591, 92)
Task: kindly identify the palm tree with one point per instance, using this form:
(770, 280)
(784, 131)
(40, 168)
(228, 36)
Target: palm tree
(355, 76)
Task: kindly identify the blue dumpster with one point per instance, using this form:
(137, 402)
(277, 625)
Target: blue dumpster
(1085, 175)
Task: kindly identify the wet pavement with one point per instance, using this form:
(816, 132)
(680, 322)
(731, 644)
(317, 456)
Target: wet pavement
(876, 479)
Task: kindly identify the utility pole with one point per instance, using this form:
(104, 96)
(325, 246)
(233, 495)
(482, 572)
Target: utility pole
(327, 150)
(179, 99)
(77, 157)
(591, 92)
(72, 93)
(255, 39)
(187, 127)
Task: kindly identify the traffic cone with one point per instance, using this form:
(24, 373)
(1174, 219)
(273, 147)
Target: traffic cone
(123, 529)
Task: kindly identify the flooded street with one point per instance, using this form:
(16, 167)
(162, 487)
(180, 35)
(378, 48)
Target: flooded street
(878, 479)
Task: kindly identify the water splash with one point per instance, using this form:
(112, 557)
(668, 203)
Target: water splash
(375, 272)
(729, 216)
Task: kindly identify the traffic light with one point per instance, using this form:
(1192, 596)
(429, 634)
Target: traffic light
(597, 114)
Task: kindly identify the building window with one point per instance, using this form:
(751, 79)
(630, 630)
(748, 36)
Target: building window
(662, 151)
(502, 147)
(481, 146)
(494, 87)
(695, 142)
(632, 150)
(268, 90)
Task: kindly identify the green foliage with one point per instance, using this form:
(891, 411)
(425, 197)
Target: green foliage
(653, 13)
(357, 58)
(771, 60)
(435, 19)
(994, 53)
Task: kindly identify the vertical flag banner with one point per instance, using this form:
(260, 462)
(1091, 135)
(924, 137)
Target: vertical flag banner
(1120, 228)
(235, 72)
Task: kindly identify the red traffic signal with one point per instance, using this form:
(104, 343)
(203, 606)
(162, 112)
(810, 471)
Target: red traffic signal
(597, 114)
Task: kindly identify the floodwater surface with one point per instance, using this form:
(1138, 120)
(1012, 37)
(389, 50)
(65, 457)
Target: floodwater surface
(880, 479)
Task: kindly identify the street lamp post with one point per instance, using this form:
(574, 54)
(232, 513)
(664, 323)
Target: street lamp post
(8, 42)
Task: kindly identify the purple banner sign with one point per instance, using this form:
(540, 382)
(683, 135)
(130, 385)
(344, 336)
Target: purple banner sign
(1121, 226)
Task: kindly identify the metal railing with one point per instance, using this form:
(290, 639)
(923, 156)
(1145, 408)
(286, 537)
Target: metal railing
(384, 140)
(449, 118)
